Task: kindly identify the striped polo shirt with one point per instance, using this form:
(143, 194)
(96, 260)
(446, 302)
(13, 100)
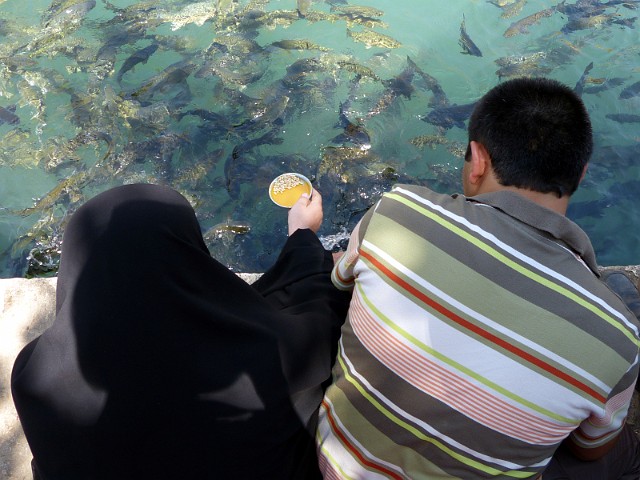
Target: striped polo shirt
(478, 338)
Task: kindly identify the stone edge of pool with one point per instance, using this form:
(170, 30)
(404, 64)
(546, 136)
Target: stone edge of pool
(27, 308)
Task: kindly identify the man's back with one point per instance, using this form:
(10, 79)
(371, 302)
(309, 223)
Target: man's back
(478, 338)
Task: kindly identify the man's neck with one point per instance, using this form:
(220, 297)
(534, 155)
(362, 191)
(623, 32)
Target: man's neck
(547, 200)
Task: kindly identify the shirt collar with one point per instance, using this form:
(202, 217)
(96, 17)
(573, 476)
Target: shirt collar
(539, 217)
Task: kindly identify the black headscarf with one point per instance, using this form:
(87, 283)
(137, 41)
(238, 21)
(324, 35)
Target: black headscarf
(161, 363)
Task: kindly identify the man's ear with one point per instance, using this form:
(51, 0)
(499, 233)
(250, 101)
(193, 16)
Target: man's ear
(480, 163)
(584, 172)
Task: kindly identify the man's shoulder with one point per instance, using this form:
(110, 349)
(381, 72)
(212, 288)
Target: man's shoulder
(422, 192)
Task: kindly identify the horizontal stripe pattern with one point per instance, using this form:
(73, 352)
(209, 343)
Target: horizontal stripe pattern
(417, 369)
(423, 357)
(563, 285)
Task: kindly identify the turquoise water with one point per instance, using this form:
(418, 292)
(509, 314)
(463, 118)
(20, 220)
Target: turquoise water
(219, 109)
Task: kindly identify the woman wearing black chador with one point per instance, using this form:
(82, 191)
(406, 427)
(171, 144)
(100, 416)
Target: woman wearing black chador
(163, 364)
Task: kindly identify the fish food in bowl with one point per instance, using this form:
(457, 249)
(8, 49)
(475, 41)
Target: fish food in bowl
(286, 189)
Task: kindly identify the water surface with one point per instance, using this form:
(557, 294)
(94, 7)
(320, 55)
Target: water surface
(220, 107)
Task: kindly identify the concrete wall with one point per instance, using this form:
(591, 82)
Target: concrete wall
(27, 308)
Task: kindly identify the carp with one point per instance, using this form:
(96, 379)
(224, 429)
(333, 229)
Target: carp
(293, 44)
(513, 9)
(450, 116)
(7, 115)
(623, 117)
(430, 141)
(358, 69)
(468, 46)
(357, 10)
(140, 56)
(352, 132)
(630, 91)
(579, 88)
(303, 7)
(522, 26)
(196, 13)
(373, 39)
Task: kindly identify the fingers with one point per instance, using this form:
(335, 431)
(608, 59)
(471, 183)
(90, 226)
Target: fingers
(315, 196)
(306, 213)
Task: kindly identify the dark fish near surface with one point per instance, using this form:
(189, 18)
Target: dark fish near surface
(468, 46)
(450, 116)
(588, 21)
(623, 117)
(579, 88)
(631, 91)
(401, 84)
(353, 133)
(174, 74)
(141, 56)
(233, 163)
(7, 115)
(439, 96)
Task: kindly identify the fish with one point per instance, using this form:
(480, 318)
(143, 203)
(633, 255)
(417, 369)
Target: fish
(357, 10)
(197, 13)
(579, 88)
(293, 44)
(7, 115)
(67, 13)
(268, 112)
(605, 85)
(368, 22)
(513, 9)
(502, 3)
(235, 227)
(428, 140)
(353, 133)
(175, 73)
(372, 38)
(200, 167)
(401, 84)
(313, 16)
(450, 116)
(358, 69)
(140, 56)
(233, 163)
(60, 152)
(468, 46)
(74, 182)
(522, 26)
(303, 7)
(588, 22)
(439, 96)
(275, 18)
(630, 91)
(32, 95)
(623, 117)
(523, 66)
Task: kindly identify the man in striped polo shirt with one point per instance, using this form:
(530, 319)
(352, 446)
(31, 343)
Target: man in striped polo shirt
(479, 337)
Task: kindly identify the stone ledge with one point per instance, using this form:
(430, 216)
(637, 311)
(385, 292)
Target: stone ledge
(27, 308)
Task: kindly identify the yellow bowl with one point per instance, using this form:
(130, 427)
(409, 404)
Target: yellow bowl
(285, 189)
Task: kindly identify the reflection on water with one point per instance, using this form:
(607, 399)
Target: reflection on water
(216, 98)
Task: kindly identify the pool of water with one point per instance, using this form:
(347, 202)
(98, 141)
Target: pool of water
(217, 98)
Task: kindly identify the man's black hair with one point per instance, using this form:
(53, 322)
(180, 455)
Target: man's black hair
(537, 132)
